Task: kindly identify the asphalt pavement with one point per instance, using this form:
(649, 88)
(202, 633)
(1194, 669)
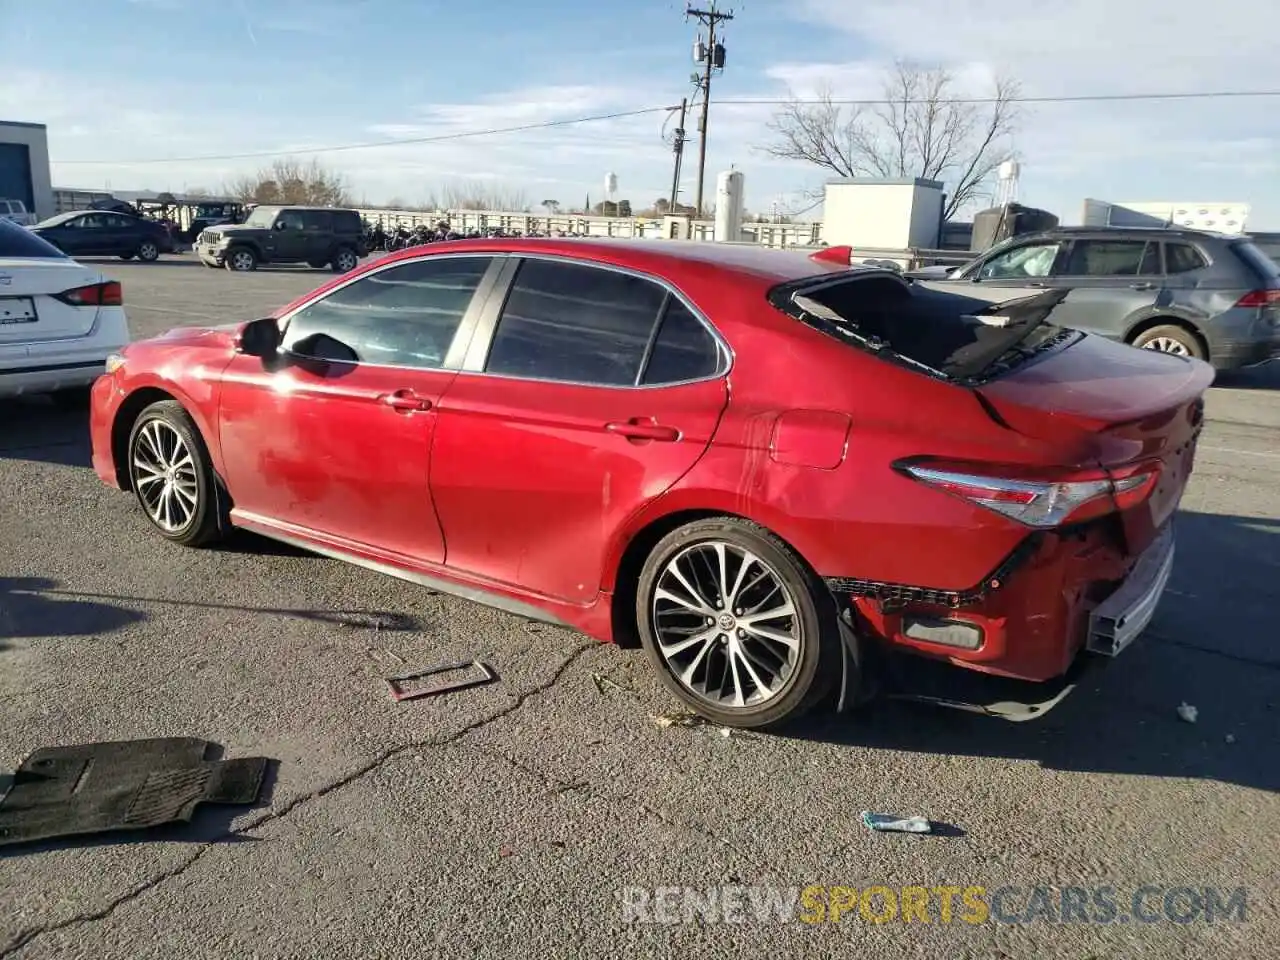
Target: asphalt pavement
(510, 820)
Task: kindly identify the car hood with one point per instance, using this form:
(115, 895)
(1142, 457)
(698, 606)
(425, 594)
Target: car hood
(221, 336)
(236, 228)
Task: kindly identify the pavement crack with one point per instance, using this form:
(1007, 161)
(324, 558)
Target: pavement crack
(26, 937)
(585, 787)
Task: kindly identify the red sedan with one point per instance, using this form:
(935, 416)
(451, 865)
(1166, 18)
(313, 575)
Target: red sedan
(776, 472)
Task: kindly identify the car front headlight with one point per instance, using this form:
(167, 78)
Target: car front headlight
(114, 362)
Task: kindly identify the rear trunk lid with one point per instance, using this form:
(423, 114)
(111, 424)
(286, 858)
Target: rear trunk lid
(29, 312)
(1139, 407)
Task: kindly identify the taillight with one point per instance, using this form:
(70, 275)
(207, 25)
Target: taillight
(1259, 298)
(1041, 503)
(109, 294)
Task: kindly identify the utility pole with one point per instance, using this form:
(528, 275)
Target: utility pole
(679, 151)
(711, 56)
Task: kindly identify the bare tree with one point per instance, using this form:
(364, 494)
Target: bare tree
(292, 182)
(925, 128)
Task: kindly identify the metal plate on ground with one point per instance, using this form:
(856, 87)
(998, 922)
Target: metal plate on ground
(121, 785)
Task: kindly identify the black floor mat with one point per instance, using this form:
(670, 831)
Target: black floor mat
(121, 785)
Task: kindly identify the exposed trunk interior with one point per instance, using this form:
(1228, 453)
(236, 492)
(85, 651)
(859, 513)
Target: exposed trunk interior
(948, 334)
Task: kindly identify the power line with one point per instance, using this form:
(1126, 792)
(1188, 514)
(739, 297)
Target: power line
(1084, 98)
(574, 121)
(438, 138)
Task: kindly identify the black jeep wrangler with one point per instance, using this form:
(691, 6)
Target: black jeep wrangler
(317, 236)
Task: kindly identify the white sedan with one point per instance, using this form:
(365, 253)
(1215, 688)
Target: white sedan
(59, 319)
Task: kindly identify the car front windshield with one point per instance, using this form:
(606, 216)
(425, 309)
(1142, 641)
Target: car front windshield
(261, 217)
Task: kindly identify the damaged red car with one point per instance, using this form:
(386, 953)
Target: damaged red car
(791, 480)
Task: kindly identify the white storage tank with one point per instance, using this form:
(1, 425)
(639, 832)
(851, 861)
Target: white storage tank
(729, 206)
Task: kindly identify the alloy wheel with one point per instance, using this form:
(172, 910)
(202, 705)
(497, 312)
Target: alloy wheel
(1167, 345)
(242, 260)
(164, 475)
(347, 261)
(148, 252)
(726, 625)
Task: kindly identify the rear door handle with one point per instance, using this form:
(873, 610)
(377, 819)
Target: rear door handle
(642, 429)
(1142, 286)
(405, 400)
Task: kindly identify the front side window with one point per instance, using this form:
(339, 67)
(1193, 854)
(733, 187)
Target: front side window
(404, 316)
(315, 221)
(1030, 260)
(575, 323)
(289, 220)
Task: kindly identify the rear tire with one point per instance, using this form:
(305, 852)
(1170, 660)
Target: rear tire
(345, 260)
(241, 260)
(171, 475)
(766, 653)
(148, 251)
(1171, 338)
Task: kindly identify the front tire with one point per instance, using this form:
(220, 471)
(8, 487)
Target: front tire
(1171, 338)
(241, 260)
(148, 252)
(171, 476)
(738, 627)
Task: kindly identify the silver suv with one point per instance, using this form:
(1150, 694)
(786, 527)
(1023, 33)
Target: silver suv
(1189, 292)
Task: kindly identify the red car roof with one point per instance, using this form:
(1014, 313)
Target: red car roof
(659, 256)
(763, 262)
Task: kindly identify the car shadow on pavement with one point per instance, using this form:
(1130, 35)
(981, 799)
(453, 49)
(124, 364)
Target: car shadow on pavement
(36, 430)
(49, 591)
(1263, 377)
(33, 607)
(1211, 646)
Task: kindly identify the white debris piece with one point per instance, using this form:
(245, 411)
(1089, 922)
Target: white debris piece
(1187, 713)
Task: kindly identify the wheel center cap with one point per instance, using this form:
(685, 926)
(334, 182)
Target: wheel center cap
(727, 621)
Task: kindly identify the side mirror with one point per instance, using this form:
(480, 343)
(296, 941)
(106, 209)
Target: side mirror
(280, 225)
(260, 338)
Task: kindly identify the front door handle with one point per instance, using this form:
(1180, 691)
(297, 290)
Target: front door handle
(405, 400)
(1142, 286)
(638, 428)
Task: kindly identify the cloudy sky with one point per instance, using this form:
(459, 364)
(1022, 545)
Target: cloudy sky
(175, 82)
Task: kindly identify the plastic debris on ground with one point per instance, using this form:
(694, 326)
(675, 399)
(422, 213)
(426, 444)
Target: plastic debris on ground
(408, 686)
(888, 823)
(1187, 713)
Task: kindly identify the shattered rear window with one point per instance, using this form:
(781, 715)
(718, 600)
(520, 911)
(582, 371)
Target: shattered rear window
(944, 334)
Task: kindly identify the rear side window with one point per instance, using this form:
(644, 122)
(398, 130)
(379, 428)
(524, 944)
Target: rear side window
(346, 221)
(16, 241)
(683, 350)
(1256, 257)
(1182, 258)
(575, 323)
(1113, 258)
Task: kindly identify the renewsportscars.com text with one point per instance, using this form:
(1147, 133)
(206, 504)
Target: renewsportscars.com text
(971, 904)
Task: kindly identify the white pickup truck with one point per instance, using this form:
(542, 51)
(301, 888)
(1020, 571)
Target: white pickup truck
(16, 211)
